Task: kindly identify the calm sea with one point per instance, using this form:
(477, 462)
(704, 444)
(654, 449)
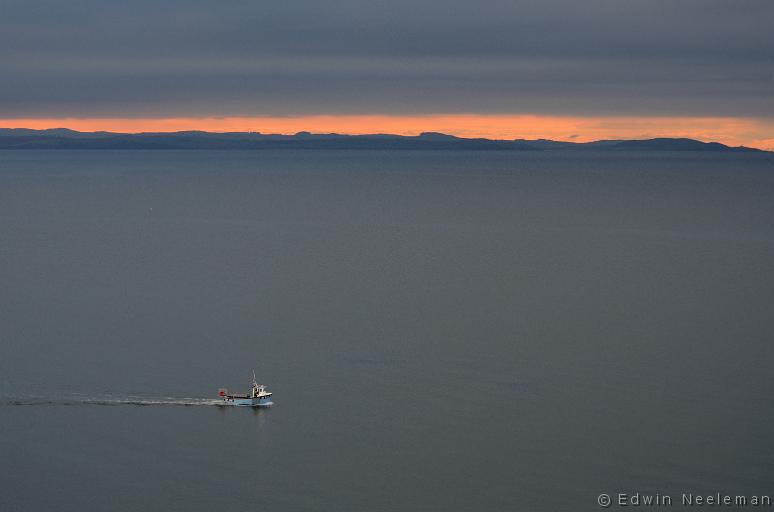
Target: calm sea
(443, 331)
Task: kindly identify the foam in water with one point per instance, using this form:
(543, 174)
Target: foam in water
(109, 400)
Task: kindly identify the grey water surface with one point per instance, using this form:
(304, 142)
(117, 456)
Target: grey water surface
(443, 330)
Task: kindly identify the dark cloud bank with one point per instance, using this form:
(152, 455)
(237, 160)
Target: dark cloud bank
(241, 58)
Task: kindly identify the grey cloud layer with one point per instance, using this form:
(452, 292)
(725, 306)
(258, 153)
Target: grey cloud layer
(235, 57)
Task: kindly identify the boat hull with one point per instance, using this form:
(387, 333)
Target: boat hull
(264, 401)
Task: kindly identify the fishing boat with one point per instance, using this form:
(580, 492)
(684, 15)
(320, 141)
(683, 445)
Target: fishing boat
(259, 396)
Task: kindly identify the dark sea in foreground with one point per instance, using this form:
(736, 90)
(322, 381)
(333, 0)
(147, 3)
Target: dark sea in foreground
(443, 331)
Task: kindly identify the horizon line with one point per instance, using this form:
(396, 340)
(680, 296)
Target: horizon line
(383, 134)
(749, 132)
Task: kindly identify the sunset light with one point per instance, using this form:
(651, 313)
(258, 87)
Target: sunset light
(727, 130)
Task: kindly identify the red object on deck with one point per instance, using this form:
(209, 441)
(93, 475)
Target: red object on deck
(221, 392)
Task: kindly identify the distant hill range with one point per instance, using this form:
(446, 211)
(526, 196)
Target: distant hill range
(63, 138)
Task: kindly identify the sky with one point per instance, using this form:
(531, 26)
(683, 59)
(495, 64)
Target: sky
(566, 70)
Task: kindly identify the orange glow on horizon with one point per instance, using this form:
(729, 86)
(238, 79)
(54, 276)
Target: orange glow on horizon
(727, 130)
